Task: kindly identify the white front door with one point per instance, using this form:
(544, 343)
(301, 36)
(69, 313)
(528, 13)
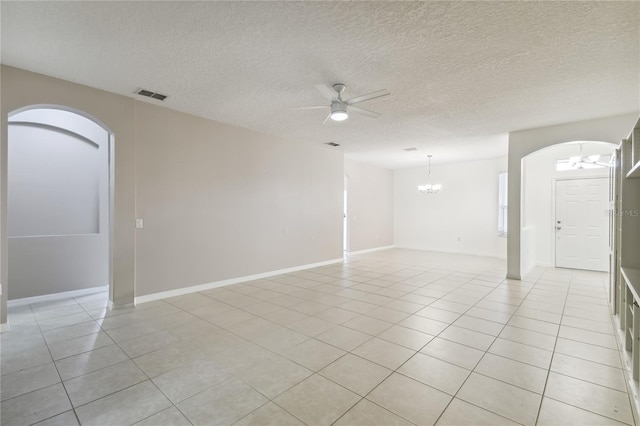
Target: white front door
(582, 224)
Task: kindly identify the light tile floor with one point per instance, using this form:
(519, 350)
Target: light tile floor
(396, 337)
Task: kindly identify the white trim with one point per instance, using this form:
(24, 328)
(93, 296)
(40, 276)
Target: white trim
(56, 296)
(371, 250)
(461, 252)
(230, 281)
(4, 327)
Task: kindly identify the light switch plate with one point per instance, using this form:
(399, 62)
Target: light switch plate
(139, 223)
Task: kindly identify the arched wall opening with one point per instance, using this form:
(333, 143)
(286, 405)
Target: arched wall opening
(22, 89)
(555, 167)
(524, 142)
(59, 202)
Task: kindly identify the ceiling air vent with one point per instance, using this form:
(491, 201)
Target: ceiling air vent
(150, 94)
(411, 149)
(332, 144)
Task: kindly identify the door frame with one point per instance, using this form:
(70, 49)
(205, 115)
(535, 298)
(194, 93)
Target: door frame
(553, 209)
(345, 219)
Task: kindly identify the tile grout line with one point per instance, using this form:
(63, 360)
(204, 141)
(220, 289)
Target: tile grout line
(58, 373)
(553, 353)
(485, 352)
(571, 283)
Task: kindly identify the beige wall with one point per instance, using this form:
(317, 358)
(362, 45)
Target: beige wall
(218, 201)
(370, 206)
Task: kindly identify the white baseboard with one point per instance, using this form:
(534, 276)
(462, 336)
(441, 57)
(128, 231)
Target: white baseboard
(4, 327)
(55, 296)
(216, 284)
(370, 250)
(113, 307)
(461, 252)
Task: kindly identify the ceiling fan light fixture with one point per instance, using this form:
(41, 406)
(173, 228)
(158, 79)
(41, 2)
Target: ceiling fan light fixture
(339, 111)
(339, 116)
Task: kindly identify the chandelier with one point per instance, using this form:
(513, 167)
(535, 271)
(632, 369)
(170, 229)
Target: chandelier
(429, 188)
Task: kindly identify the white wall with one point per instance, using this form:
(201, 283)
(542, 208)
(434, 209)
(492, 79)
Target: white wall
(54, 174)
(370, 206)
(461, 218)
(538, 195)
(524, 142)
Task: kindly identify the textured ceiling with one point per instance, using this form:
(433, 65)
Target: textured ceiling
(462, 74)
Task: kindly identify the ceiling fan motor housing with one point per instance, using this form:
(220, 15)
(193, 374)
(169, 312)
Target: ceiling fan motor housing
(338, 107)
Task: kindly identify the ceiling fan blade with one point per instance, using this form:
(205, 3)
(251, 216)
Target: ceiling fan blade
(327, 91)
(326, 119)
(363, 111)
(311, 107)
(368, 97)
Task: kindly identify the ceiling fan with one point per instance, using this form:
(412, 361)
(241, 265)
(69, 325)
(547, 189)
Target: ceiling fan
(586, 162)
(340, 108)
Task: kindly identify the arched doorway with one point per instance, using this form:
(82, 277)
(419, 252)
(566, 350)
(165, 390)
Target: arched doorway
(564, 201)
(523, 142)
(58, 202)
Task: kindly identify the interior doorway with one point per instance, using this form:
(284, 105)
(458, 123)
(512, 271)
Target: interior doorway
(540, 170)
(581, 223)
(58, 202)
